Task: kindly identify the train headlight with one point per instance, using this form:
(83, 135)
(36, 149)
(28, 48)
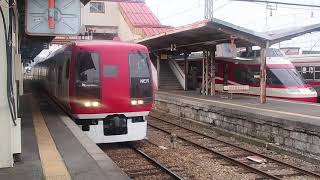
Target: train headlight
(134, 102)
(140, 102)
(95, 104)
(87, 104)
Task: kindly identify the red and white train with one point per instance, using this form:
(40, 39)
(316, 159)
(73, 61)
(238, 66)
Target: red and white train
(106, 86)
(308, 65)
(283, 80)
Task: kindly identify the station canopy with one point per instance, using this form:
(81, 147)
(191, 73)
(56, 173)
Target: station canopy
(206, 34)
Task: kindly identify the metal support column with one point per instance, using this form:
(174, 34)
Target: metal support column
(203, 74)
(213, 72)
(206, 75)
(186, 68)
(158, 70)
(263, 74)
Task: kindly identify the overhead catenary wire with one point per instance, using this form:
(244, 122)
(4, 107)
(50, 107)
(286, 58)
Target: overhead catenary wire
(281, 3)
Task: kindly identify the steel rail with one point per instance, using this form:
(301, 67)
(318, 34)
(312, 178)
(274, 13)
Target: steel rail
(255, 153)
(234, 161)
(162, 167)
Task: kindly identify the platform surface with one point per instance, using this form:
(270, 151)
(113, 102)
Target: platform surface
(63, 153)
(295, 111)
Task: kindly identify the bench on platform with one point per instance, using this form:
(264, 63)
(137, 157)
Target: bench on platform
(231, 89)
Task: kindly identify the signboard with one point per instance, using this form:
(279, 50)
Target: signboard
(63, 18)
(163, 56)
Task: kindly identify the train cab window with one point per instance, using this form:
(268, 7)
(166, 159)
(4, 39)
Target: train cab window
(286, 77)
(138, 65)
(87, 67)
(87, 75)
(140, 76)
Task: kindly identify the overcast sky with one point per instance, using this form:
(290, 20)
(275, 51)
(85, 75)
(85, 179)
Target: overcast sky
(254, 16)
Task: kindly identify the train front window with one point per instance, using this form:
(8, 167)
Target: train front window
(87, 75)
(140, 76)
(139, 65)
(286, 77)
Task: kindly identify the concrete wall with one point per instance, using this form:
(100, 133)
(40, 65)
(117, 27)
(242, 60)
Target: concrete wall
(301, 137)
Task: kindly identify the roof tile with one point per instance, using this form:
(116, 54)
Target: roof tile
(140, 16)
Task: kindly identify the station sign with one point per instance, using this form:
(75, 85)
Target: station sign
(53, 17)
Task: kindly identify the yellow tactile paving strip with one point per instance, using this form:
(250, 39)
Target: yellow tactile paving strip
(52, 164)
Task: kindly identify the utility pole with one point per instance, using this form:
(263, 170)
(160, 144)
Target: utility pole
(208, 9)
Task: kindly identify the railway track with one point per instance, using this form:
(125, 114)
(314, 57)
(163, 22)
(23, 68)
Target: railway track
(260, 164)
(138, 164)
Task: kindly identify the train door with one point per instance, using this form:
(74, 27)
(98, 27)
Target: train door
(65, 76)
(59, 81)
(55, 78)
(65, 82)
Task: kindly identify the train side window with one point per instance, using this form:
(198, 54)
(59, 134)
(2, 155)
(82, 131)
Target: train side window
(317, 75)
(298, 68)
(309, 73)
(68, 69)
(60, 75)
(304, 69)
(240, 76)
(251, 75)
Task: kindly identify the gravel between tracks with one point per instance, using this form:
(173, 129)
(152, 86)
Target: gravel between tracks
(285, 158)
(189, 161)
(197, 163)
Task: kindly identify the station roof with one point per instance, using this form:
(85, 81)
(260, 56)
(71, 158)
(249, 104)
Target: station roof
(138, 15)
(287, 34)
(208, 33)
